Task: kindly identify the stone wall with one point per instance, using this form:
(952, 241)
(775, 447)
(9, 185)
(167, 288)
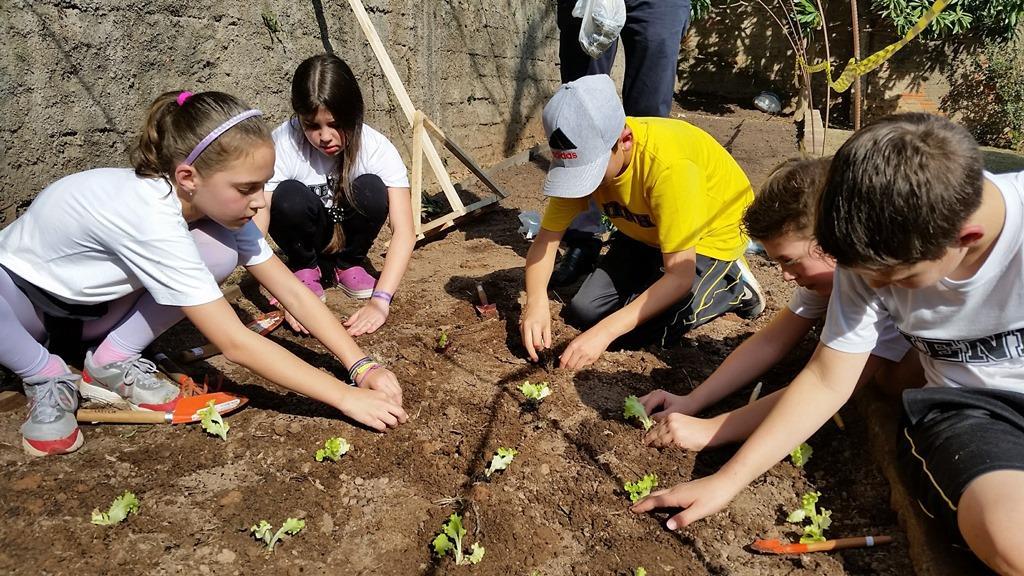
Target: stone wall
(77, 75)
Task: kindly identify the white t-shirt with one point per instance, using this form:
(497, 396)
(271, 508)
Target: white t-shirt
(297, 159)
(970, 333)
(809, 304)
(98, 235)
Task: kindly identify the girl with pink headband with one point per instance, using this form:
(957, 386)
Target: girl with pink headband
(116, 256)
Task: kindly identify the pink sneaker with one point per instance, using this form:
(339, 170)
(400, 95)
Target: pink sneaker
(355, 282)
(311, 278)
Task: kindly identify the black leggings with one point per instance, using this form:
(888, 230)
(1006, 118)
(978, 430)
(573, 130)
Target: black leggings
(302, 227)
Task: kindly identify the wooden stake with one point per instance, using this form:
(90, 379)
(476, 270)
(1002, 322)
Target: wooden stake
(417, 172)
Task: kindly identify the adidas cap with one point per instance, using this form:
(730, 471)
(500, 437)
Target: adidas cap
(583, 120)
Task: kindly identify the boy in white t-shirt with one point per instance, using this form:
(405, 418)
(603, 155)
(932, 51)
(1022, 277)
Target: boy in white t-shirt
(336, 181)
(781, 218)
(927, 239)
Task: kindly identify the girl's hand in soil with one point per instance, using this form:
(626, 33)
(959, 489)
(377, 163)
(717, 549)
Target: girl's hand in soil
(687, 432)
(698, 499)
(660, 404)
(373, 408)
(367, 319)
(293, 323)
(535, 329)
(585, 349)
(382, 380)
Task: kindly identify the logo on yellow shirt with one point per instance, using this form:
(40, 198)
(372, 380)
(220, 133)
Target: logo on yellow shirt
(616, 210)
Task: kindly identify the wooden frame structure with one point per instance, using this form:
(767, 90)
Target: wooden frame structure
(423, 146)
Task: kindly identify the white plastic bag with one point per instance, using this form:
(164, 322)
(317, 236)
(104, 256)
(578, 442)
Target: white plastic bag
(530, 224)
(602, 22)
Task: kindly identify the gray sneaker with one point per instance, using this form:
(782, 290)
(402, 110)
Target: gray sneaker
(51, 427)
(134, 383)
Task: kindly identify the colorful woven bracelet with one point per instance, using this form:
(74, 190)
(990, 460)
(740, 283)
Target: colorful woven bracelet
(369, 368)
(382, 295)
(356, 366)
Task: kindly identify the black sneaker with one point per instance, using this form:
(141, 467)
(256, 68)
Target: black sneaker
(580, 259)
(752, 302)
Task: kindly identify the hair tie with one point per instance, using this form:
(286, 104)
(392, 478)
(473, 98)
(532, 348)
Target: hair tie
(217, 132)
(183, 97)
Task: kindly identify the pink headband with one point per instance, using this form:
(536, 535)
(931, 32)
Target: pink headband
(217, 133)
(183, 97)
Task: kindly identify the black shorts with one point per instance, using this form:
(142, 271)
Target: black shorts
(950, 436)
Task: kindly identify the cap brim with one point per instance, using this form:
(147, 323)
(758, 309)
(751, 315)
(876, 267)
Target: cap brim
(575, 182)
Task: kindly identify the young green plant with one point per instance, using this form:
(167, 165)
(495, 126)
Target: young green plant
(122, 506)
(501, 460)
(442, 341)
(334, 448)
(450, 540)
(817, 523)
(264, 532)
(212, 422)
(535, 392)
(641, 487)
(801, 454)
(634, 409)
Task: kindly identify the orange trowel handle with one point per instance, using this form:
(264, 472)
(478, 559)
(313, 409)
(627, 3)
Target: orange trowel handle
(263, 325)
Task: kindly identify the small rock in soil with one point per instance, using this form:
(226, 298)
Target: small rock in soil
(326, 524)
(226, 556)
(30, 482)
(231, 498)
(280, 428)
(295, 428)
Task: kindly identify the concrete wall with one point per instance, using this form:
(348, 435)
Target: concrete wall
(77, 75)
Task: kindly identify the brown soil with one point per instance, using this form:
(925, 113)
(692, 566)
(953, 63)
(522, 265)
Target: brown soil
(559, 508)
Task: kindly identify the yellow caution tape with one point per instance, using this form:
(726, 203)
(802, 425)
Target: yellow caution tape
(855, 69)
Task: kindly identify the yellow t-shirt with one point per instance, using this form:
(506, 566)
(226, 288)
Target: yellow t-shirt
(681, 190)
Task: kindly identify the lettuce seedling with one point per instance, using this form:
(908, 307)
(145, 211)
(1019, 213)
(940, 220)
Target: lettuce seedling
(641, 487)
(535, 392)
(814, 531)
(801, 454)
(634, 409)
(213, 422)
(442, 340)
(640, 571)
(450, 540)
(263, 530)
(334, 448)
(501, 460)
(122, 506)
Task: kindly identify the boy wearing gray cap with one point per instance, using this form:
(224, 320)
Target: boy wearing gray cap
(675, 196)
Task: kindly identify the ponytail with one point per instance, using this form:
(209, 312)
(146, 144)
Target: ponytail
(177, 121)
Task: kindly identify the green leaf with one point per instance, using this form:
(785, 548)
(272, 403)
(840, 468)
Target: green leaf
(640, 571)
(641, 487)
(453, 528)
(292, 526)
(212, 422)
(262, 531)
(796, 516)
(500, 461)
(535, 392)
(441, 545)
(442, 340)
(801, 454)
(477, 555)
(120, 508)
(634, 409)
(334, 448)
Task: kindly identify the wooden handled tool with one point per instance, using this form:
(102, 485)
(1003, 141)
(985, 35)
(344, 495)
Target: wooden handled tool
(185, 412)
(776, 546)
(263, 325)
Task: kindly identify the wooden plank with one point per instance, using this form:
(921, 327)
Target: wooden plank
(447, 220)
(417, 172)
(433, 158)
(461, 155)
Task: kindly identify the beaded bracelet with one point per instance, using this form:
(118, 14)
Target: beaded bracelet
(382, 295)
